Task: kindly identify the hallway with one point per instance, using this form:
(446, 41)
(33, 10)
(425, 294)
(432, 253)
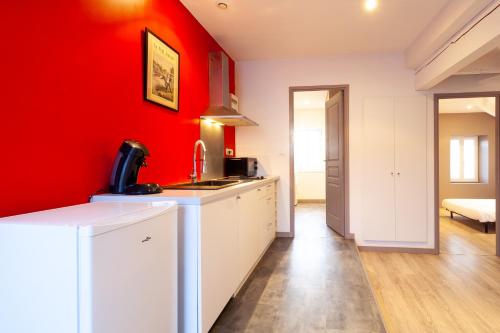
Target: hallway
(313, 283)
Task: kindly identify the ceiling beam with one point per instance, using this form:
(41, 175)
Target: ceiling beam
(474, 43)
(453, 17)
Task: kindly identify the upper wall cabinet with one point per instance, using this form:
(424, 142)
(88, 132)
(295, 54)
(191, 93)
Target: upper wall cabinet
(395, 169)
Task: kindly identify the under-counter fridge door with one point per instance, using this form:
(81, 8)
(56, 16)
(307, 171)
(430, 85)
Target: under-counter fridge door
(128, 278)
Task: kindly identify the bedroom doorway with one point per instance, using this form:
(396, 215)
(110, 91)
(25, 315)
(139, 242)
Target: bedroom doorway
(466, 172)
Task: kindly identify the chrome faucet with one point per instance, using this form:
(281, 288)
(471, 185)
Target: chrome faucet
(194, 175)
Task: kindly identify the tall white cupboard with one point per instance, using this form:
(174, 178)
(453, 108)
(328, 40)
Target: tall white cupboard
(395, 169)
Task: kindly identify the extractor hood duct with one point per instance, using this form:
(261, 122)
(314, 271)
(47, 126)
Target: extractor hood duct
(223, 105)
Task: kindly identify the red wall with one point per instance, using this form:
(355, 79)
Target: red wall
(230, 139)
(71, 90)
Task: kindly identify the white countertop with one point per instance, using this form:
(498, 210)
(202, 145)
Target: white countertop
(190, 197)
(93, 218)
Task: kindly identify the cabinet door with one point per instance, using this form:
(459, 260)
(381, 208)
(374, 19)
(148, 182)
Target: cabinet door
(269, 221)
(249, 235)
(378, 170)
(267, 212)
(411, 168)
(128, 278)
(218, 277)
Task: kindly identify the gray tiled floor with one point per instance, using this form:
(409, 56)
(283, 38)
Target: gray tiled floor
(313, 283)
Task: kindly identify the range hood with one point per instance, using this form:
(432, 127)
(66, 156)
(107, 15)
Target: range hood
(223, 105)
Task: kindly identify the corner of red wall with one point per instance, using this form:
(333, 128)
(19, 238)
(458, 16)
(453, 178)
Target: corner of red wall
(230, 131)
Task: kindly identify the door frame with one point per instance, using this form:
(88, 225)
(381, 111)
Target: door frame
(291, 91)
(437, 204)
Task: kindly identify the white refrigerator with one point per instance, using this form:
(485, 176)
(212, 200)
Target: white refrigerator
(102, 267)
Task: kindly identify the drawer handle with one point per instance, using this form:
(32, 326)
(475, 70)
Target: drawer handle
(238, 197)
(147, 239)
(258, 190)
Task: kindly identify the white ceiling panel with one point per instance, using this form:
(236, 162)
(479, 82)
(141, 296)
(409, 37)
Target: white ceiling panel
(262, 29)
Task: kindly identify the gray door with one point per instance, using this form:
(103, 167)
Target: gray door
(334, 168)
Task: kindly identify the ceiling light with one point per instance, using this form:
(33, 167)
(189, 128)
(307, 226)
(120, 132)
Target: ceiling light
(370, 5)
(222, 5)
(469, 107)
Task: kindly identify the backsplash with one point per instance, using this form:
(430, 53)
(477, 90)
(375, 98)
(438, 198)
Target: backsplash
(213, 136)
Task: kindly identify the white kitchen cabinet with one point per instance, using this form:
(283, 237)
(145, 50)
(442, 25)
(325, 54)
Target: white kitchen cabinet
(267, 200)
(249, 231)
(395, 169)
(257, 226)
(235, 233)
(218, 258)
(222, 236)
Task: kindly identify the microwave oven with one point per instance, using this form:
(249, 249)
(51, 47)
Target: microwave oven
(240, 167)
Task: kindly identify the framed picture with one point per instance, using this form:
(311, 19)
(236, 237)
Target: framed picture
(161, 84)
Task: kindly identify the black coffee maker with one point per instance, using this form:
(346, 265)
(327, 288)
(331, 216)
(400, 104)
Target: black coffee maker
(131, 157)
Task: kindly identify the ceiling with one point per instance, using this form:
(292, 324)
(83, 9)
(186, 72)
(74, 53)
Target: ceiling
(468, 105)
(309, 99)
(262, 29)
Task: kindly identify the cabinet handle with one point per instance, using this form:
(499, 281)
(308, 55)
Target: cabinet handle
(258, 190)
(238, 197)
(392, 173)
(398, 173)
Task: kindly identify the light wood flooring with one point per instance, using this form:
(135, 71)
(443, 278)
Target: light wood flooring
(456, 291)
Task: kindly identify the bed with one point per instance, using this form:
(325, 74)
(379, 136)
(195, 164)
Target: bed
(480, 210)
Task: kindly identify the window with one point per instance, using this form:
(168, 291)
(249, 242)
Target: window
(464, 163)
(309, 150)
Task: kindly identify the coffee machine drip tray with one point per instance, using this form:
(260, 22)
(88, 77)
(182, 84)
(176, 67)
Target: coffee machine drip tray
(140, 189)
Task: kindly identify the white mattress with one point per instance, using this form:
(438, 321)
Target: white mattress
(483, 210)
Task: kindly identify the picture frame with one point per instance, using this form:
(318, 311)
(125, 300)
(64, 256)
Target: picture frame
(161, 72)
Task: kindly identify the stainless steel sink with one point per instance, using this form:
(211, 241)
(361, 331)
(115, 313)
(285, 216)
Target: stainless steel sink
(203, 185)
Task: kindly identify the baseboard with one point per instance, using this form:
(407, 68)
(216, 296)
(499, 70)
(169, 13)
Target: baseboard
(284, 234)
(306, 201)
(349, 236)
(396, 249)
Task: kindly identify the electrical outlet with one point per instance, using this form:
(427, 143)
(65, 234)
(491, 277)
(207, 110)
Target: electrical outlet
(229, 152)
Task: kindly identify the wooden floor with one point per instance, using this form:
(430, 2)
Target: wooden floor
(313, 283)
(456, 291)
(463, 236)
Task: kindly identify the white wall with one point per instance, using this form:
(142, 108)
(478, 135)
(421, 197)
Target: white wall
(263, 92)
(310, 185)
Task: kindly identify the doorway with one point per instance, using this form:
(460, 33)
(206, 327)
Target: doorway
(467, 189)
(319, 160)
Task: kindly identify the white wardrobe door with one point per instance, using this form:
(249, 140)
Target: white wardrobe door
(411, 168)
(378, 182)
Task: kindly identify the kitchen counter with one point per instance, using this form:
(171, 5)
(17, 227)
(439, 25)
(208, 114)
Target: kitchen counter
(193, 197)
(222, 234)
